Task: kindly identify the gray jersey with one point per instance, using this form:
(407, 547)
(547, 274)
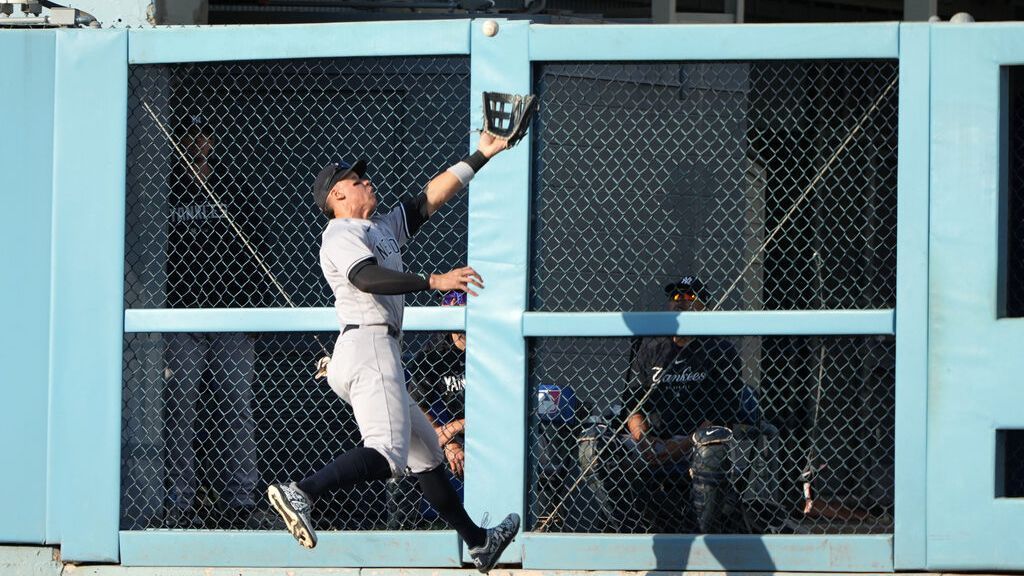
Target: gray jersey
(349, 241)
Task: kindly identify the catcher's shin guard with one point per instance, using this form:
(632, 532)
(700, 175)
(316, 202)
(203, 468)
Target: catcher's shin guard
(709, 468)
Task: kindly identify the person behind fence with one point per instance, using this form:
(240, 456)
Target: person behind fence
(361, 258)
(670, 473)
(438, 386)
(207, 266)
(437, 380)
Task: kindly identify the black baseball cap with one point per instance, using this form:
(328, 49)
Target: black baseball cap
(330, 175)
(688, 283)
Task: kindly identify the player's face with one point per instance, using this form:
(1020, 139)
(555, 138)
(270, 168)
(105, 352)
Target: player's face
(359, 194)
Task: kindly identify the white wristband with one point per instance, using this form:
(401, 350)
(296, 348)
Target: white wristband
(463, 172)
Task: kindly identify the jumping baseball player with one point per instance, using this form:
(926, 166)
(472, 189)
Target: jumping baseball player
(362, 261)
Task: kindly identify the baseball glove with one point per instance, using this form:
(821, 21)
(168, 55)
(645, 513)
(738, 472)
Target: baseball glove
(507, 116)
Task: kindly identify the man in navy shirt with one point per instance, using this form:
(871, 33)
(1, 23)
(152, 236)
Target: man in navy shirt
(676, 386)
(689, 383)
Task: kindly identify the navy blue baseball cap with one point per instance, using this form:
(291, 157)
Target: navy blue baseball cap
(688, 283)
(330, 175)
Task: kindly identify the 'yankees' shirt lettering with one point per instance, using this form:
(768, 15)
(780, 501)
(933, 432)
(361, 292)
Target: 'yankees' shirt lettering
(453, 383)
(208, 265)
(195, 212)
(438, 379)
(688, 385)
(687, 375)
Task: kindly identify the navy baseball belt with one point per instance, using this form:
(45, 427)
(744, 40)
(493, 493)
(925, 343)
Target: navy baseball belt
(392, 331)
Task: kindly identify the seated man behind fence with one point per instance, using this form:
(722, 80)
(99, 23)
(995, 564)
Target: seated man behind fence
(680, 389)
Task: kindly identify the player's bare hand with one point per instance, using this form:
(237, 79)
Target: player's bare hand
(490, 145)
(458, 279)
(456, 457)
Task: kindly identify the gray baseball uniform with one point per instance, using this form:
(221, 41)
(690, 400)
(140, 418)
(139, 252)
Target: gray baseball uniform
(362, 261)
(366, 366)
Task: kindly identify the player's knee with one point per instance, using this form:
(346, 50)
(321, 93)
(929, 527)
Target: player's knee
(398, 459)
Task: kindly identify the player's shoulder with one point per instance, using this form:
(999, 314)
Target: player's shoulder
(383, 218)
(345, 226)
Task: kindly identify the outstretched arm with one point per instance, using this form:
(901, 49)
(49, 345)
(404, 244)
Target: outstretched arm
(368, 276)
(445, 185)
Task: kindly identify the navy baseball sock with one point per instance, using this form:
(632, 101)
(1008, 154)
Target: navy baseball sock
(439, 492)
(356, 465)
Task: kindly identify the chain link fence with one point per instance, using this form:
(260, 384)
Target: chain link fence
(211, 419)
(773, 182)
(250, 137)
(805, 412)
(1015, 195)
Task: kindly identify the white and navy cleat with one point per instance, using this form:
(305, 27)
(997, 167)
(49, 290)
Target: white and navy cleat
(294, 506)
(498, 538)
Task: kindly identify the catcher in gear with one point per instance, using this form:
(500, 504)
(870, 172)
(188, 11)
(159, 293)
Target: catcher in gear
(692, 390)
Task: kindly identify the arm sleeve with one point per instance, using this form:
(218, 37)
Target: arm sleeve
(415, 209)
(367, 276)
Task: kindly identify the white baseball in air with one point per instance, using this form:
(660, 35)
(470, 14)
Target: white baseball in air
(490, 28)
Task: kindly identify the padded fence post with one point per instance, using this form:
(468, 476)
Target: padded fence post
(499, 250)
(87, 309)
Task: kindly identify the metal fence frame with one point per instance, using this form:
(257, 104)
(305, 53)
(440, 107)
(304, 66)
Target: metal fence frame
(968, 188)
(89, 319)
(781, 553)
(418, 548)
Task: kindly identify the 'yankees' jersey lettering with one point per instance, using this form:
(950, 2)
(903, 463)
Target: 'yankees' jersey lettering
(386, 247)
(687, 375)
(439, 379)
(349, 241)
(207, 264)
(182, 214)
(698, 382)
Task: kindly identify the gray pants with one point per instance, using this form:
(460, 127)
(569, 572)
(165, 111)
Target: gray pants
(225, 361)
(366, 371)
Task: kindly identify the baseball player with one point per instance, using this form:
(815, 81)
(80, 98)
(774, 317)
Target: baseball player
(361, 259)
